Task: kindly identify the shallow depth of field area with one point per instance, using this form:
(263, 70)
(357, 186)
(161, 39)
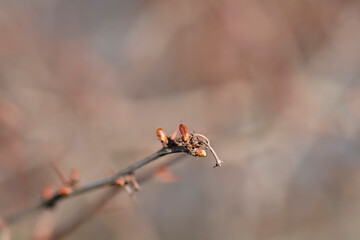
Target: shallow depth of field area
(275, 86)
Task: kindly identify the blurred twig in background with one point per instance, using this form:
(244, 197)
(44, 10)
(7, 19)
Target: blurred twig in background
(276, 81)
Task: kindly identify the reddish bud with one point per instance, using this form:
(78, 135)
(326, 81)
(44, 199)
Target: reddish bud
(160, 133)
(120, 181)
(65, 190)
(184, 133)
(201, 153)
(47, 192)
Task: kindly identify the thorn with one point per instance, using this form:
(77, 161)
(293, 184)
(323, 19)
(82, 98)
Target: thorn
(135, 184)
(130, 191)
(130, 178)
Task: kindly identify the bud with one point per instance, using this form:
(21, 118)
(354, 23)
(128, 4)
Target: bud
(201, 153)
(120, 181)
(160, 133)
(184, 133)
(65, 190)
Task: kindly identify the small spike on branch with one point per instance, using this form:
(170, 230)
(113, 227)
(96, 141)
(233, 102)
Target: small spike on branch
(192, 143)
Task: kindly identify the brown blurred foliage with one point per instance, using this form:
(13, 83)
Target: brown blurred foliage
(274, 84)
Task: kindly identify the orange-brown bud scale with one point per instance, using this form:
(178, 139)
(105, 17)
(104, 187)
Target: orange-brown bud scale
(184, 133)
(65, 190)
(120, 181)
(201, 153)
(160, 133)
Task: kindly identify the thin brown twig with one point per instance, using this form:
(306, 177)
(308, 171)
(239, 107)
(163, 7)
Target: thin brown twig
(87, 211)
(58, 172)
(188, 143)
(107, 181)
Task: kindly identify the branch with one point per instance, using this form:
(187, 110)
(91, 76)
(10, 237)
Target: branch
(87, 211)
(108, 181)
(191, 143)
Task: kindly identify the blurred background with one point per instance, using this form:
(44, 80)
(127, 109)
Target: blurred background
(273, 84)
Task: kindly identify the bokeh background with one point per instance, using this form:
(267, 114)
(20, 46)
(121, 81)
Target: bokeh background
(274, 84)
